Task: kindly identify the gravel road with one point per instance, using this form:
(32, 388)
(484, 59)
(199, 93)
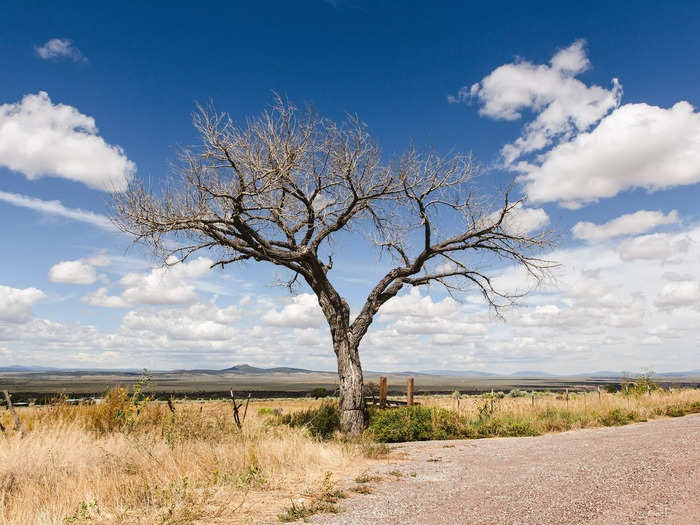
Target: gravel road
(641, 473)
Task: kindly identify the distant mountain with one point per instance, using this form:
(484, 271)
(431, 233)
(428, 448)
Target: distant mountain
(456, 373)
(600, 374)
(531, 373)
(254, 370)
(19, 368)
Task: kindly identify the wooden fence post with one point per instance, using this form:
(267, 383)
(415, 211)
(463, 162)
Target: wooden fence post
(598, 393)
(382, 392)
(14, 414)
(567, 399)
(533, 398)
(409, 392)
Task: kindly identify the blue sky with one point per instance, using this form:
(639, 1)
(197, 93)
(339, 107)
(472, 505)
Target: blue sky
(94, 93)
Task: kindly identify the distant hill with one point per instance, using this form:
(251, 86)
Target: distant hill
(245, 369)
(19, 368)
(455, 373)
(531, 373)
(254, 370)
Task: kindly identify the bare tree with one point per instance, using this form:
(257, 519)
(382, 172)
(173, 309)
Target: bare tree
(280, 187)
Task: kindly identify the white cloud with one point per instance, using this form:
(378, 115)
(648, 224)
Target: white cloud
(653, 246)
(168, 285)
(40, 139)
(636, 146)
(17, 305)
(60, 48)
(638, 222)
(74, 272)
(522, 220)
(303, 311)
(680, 293)
(58, 209)
(412, 304)
(564, 104)
(80, 271)
(199, 322)
(102, 298)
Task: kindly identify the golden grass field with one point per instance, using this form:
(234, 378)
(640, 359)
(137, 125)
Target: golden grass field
(135, 462)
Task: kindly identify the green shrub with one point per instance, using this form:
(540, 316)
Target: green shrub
(618, 416)
(499, 427)
(675, 411)
(318, 392)
(267, 411)
(321, 422)
(401, 424)
(611, 388)
(517, 393)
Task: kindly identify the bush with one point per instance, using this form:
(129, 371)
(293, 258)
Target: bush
(517, 393)
(318, 392)
(618, 416)
(321, 422)
(416, 423)
(611, 388)
(505, 428)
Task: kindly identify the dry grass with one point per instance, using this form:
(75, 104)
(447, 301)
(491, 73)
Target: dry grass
(130, 460)
(77, 466)
(552, 412)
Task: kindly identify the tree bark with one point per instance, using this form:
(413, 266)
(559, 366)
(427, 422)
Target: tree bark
(352, 403)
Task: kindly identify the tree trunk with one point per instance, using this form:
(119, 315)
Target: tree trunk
(352, 403)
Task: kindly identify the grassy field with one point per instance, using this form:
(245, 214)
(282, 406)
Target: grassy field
(130, 460)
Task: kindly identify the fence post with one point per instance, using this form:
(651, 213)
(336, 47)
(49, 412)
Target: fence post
(14, 414)
(409, 392)
(567, 399)
(598, 393)
(533, 398)
(382, 392)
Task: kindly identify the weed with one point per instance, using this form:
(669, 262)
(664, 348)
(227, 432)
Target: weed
(321, 422)
(618, 416)
(367, 478)
(362, 489)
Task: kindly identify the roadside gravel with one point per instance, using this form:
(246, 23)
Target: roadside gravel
(646, 473)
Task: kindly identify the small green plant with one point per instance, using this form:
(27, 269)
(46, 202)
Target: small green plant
(267, 411)
(517, 393)
(611, 388)
(321, 422)
(362, 489)
(318, 392)
(324, 500)
(367, 478)
(618, 417)
(395, 473)
(87, 510)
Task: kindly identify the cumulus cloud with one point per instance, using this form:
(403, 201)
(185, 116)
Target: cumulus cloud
(635, 223)
(199, 322)
(175, 283)
(680, 293)
(80, 271)
(168, 285)
(58, 209)
(413, 304)
(653, 246)
(60, 48)
(101, 297)
(588, 145)
(42, 139)
(17, 305)
(302, 311)
(564, 105)
(636, 146)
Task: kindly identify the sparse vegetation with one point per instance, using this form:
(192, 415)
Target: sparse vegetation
(130, 458)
